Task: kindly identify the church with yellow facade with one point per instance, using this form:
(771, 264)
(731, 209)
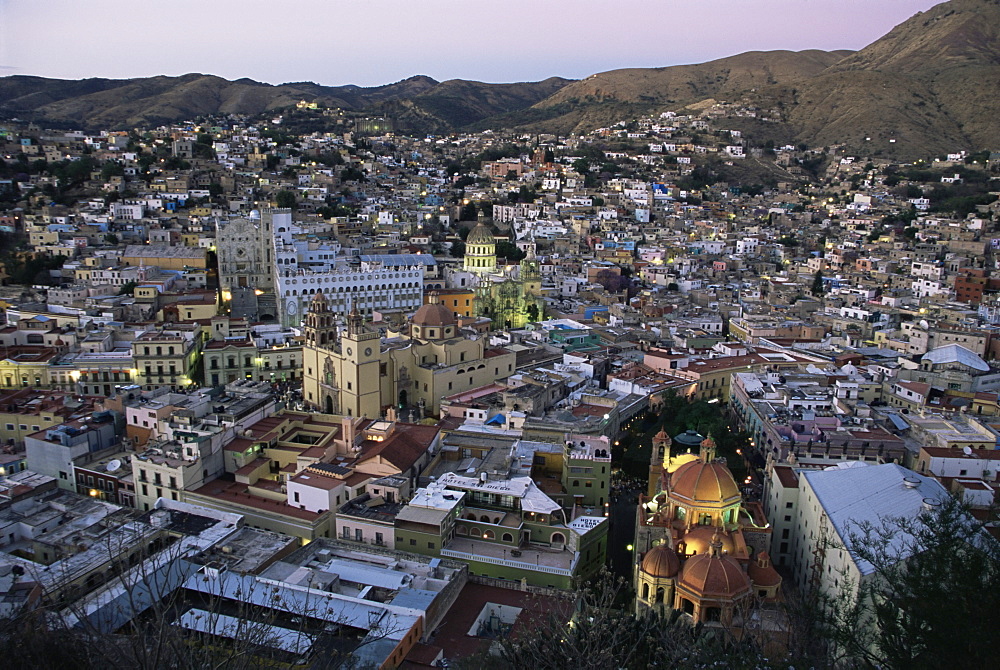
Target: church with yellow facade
(355, 371)
(700, 549)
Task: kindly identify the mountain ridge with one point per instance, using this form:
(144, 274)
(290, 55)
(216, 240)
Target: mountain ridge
(930, 84)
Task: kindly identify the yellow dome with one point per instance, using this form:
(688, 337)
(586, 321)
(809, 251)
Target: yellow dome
(481, 234)
(660, 561)
(701, 482)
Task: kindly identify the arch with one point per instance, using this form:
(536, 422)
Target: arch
(645, 591)
(484, 518)
(462, 530)
(470, 516)
(557, 538)
(687, 606)
(660, 592)
(712, 614)
(475, 532)
(507, 537)
(329, 404)
(489, 535)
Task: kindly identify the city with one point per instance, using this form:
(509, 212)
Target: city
(306, 388)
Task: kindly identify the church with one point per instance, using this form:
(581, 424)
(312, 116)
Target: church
(702, 549)
(510, 296)
(357, 372)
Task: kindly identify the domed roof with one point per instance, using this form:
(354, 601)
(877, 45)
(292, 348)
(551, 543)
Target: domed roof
(434, 315)
(713, 576)
(660, 561)
(762, 573)
(699, 481)
(698, 540)
(481, 234)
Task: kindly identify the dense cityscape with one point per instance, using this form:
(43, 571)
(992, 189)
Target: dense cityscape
(306, 388)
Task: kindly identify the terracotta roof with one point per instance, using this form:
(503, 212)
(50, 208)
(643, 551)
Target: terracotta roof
(661, 561)
(704, 482)
(762, 573)
(434, 315)
(709, 576)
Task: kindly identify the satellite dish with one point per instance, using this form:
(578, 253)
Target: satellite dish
(114, 464)
(967, 450)
(923, 324)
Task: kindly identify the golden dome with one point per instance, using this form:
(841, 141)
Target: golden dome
(699, 540)
(660, 561)
(481, 234)
(709, 576)
(701, 482)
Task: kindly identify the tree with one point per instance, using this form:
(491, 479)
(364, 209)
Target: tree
(111, 238)
(457, 249)
(286, 199)
(817, 286)
(469, 212)
(931, 598)
(597, 633)
(128, 288)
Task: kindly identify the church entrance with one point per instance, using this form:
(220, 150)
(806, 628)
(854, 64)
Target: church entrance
(402, 399)
(329, 404)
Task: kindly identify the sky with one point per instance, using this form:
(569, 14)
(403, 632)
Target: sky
(375, 42)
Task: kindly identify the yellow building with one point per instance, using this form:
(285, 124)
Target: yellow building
(356, 374)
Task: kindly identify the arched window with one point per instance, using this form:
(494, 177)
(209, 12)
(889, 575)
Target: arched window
(484, 518)
(475, 532)
(558, 538)
(659, 594)
(645, 591)
(507, 537)
(462, 530)
(489, 535)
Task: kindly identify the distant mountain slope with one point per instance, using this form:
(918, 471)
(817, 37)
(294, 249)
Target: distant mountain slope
(107, 103)
(932, 84)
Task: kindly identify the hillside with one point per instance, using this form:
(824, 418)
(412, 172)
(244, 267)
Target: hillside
(107, 103)
(930, 85)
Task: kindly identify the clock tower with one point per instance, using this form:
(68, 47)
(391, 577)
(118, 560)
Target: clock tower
(360, 388)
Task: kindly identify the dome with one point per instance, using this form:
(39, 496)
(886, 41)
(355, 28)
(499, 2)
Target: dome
(254, 214)
(699, 540)
(699, 481)
(660, 561)
(762, 573)
(710, 576)
(481, 234)
(434, 315)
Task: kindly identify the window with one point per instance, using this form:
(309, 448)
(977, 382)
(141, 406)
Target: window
(430, 545)
(359, 535)
(378, 539)
(296, 496)
(788, 505)
(413, 542)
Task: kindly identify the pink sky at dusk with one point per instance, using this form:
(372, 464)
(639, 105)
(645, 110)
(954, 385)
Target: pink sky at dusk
(374, 42)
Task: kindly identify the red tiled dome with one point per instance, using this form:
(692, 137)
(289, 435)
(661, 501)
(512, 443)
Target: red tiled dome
(661, 561)
(713, 576)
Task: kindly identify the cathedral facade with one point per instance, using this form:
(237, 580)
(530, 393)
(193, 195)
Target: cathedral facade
(356, 372)
(510, 296)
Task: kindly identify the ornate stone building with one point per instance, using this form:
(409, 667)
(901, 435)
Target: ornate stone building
(356, 372)
(701, 554)
(511, 296)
